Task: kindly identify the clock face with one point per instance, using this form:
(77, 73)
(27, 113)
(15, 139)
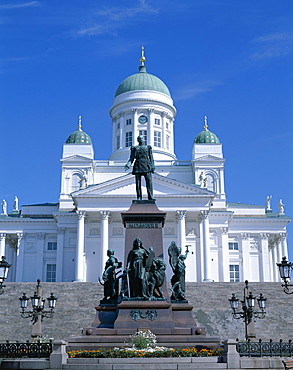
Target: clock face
(142, 119)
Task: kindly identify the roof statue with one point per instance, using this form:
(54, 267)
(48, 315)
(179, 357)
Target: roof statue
(4, 207)
(281, 207)
(15, 204)
(268, 203)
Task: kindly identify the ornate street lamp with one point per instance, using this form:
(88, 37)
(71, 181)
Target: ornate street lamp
(4, 268)
(247, 312)
(285, 269)
(38, 311)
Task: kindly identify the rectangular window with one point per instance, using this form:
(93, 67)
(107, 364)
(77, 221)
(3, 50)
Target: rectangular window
(52, 246)
(144, 134)
(51, 273)
(167, 142)
(128, 121)
(118, 125)
(233, 246)
(234, 273)
(157, 121)
(118, 142)
(128, 138)
(167, 125)
(157, 139)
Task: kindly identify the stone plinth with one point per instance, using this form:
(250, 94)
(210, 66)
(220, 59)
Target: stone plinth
(145, 221)
(154, 315)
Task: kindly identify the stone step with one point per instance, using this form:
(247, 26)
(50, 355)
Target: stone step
(179, 363)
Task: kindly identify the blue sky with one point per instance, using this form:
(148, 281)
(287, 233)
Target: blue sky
(230, 60)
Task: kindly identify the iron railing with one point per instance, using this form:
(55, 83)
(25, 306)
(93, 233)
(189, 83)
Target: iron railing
(25, 349)
(260, 348)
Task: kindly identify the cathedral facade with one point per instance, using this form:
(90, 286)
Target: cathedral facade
(68, 240)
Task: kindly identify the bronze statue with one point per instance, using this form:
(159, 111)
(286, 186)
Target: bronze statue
(136, 268)
(143, 166)
(109, 276)
(155, 279)
(177, 263)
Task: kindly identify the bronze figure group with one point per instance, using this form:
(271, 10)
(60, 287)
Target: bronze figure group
(144, 275)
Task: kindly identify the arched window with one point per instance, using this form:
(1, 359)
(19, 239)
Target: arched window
(211, 184)
(75, 182)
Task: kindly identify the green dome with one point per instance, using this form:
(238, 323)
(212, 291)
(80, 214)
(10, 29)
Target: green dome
(79, 137)
(142, 81)
(206, 137)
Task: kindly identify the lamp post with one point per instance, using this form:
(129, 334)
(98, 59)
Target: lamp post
(38, 311)
(247, 312)
(285, 269)
(4, 268)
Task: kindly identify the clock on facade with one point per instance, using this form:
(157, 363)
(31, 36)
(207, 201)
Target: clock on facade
(142, 119)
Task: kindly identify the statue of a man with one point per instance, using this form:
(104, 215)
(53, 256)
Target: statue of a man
(142, 157)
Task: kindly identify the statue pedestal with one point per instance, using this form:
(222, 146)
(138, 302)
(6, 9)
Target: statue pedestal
(153, 315)
(172, 323)
(145, 221)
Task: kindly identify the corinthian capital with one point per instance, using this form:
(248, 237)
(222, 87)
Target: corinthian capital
(204, 214)
(81, 215)
(105, 215)
(181, 215)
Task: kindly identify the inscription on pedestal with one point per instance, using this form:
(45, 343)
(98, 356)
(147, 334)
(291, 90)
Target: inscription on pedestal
(143, 225)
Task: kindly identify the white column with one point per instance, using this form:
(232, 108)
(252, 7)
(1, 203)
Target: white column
(279, 248)
(163, 115)
(274, 260)
(122, 130)
(181, 215)
(104, 238)
(151, 127)
(245, 248)
(207, 270)
(2, 244)
(199, 254)
(19, 257)
(59, 256)
(79, 256)
(284, 246)
(271, 262)
(40, 255)
(264, 266)
(225, 273)
(135, 132)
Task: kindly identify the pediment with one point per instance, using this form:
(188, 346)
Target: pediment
(76, 158)
(125, 186)
(210, 158)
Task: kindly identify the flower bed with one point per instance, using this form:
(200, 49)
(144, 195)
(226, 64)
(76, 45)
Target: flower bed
(133, 353)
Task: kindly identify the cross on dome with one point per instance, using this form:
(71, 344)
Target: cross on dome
(142, 59)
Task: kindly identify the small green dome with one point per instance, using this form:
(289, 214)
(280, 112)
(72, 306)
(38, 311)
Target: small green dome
(79, 136)
(206, 137)
(142, 81)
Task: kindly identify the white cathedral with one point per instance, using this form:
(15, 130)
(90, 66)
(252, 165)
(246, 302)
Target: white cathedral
(68, 240)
